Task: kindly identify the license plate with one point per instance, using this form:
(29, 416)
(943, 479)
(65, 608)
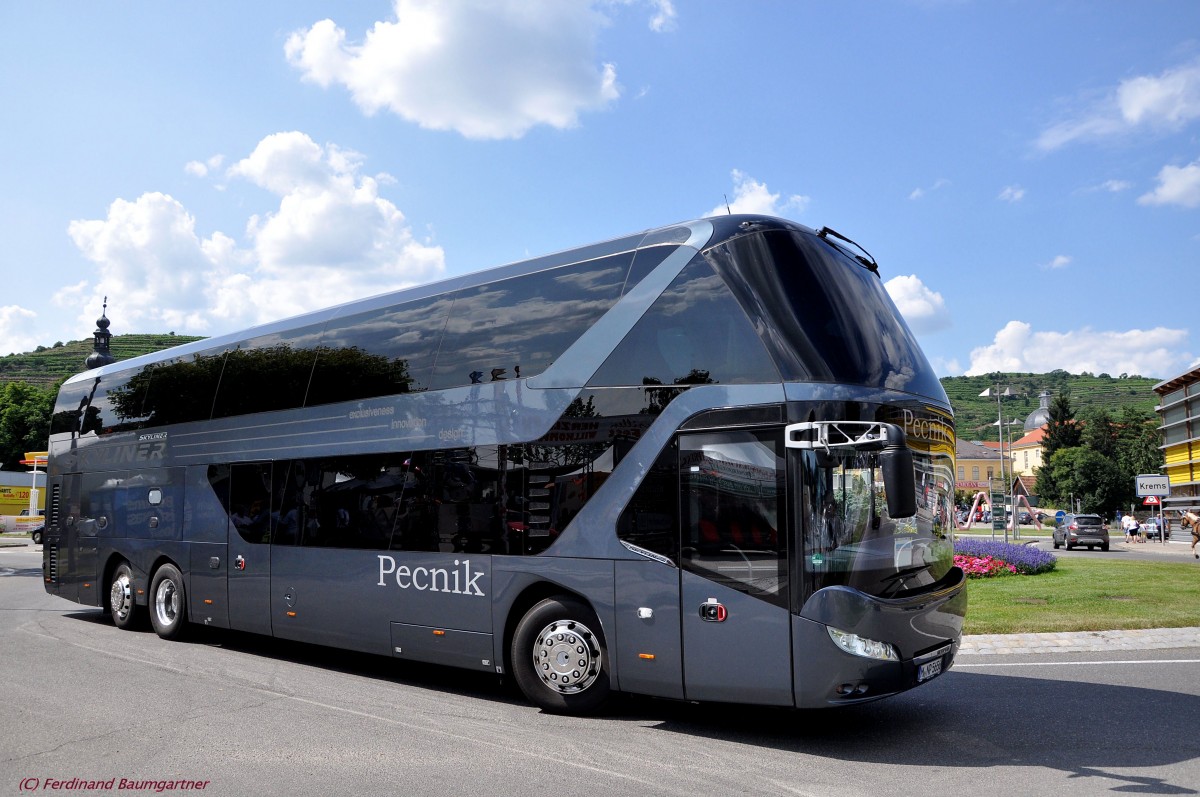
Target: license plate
(929, 670)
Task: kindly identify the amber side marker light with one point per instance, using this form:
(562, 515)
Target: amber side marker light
(646, 656)
(291, 614)
(208, 601)
(439, 632)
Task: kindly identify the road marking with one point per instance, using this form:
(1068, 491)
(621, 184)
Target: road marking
(958, 666)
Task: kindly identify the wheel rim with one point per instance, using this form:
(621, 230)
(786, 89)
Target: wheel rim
(120, 597)
(166, 602)
(566, 656)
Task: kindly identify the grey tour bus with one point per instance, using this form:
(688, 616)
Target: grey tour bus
(706, 462)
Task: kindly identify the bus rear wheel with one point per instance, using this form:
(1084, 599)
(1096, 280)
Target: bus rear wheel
(168, 602)
(125, 611)
(559, 658)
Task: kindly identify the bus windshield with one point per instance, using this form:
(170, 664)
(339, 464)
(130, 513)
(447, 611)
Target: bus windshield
(849, 538)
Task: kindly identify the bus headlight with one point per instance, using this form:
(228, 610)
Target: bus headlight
(861, 646)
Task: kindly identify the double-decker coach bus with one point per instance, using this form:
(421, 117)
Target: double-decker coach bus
(706, 462)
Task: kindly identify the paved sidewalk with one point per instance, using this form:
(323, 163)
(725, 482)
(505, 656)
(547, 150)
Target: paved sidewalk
(1081, 641)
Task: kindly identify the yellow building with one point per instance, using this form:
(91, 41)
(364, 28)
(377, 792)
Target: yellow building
(1179, 411)
(1027, 452)
(977, 465)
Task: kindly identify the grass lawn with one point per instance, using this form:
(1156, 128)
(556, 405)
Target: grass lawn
(1087, 595)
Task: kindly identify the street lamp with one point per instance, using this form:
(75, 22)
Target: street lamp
(1010, 487)
(1006, 393)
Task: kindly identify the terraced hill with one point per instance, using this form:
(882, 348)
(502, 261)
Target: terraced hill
(47, 365)
(975, 417)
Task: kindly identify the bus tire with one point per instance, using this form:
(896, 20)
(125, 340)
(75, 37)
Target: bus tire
(559, 658)
(168, 602)
(126, 614)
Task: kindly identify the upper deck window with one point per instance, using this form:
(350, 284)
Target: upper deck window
(823, 316)
(517, 327)
(695, 333)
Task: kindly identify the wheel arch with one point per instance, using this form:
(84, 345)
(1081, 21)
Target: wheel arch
(531, 596)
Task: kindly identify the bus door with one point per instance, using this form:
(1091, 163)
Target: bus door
(250, 548)
(734, 568)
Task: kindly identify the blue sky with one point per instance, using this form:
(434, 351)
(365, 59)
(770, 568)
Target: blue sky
(1027, 174)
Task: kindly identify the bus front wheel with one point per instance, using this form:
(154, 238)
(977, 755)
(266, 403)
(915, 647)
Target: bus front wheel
(559, 658)
(168, 604)
(124, 609)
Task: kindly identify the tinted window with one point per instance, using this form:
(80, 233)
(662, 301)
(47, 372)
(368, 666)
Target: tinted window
(71, 406)
(823, 316)
(651, 518)
(267, 373)
(513, 499)
(695, 333)
(379, 353)
(176, 390)
(516, 328)
(733, 525)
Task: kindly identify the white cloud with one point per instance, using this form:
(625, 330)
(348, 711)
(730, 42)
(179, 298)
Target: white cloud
(1116, 186)
(751, 196)
(1012, 193)
(1059, 261)
(919, 193)
(923, 309)
(664, 16)
(1017, 348)
(484, 68)
(202, 168)
(1176, 186)
(331, 239)
(16, 330)
(1163, 102)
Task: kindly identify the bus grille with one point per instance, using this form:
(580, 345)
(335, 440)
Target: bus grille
(55, 495)
(52, 564)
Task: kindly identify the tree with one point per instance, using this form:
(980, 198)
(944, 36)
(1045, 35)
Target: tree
(1091, 478)
(24, 421)
(1062, 431)
(1099, 433)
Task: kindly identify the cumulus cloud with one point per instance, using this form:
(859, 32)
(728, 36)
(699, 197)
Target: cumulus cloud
(486, 69)
(751, 196)
(331, 239)
(1012, 193)
(202, 168)
(1059, 261)
(1155, 102)
(16, 329)
(923, 309)
(1018, 348)
(1176, 186)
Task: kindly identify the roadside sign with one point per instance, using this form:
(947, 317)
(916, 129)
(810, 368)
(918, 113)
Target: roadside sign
(1150, 500)
(1152, 484)
(1059, 515)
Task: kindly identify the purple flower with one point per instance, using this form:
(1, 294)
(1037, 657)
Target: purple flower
(1025, 558)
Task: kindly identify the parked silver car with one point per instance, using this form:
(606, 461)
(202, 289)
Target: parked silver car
(1083, 529)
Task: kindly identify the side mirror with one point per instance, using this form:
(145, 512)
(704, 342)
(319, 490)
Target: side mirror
(899, 481)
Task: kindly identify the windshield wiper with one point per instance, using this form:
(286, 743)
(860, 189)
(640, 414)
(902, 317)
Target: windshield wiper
(868, 261)
(900, 576)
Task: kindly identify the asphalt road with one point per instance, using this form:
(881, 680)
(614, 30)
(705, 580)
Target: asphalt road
(250, 716)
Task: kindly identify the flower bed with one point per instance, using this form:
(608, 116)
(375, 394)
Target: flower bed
(983, 558)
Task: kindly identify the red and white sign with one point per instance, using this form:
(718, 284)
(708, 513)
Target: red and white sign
(1150, 500)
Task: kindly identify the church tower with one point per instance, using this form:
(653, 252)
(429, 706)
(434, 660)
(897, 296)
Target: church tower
(100, 339)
